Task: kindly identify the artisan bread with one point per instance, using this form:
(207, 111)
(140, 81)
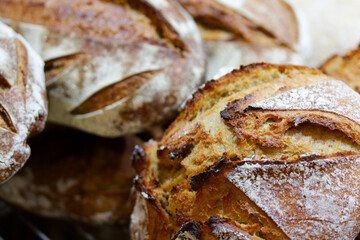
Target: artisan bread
(333, 27)
(265, 152)
(112, 67)
(249, 31)
(345, 67)
(23, 106)
(74, 175)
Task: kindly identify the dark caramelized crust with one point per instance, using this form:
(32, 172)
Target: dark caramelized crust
(258, 154)
(75, 175)
(112, 67)
(345, 68)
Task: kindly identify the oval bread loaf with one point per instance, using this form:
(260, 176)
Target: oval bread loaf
(265, 152)
(75, 175)
(112, 67)
(249, 31)
(23, 106)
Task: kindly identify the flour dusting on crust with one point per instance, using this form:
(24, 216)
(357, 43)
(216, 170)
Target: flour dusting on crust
(306, 199)
(331, 96)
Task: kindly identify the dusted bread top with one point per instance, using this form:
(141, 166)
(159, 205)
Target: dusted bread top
(23, 106)
(112, 67)
(259, 153)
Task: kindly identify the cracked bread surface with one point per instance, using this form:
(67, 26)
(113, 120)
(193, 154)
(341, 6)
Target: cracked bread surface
(112, 67)
(257, 154)
(23, 104)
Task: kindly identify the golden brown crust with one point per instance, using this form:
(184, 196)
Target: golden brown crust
(345, 67)
(254, 132)
(75, 175)
(95, 51)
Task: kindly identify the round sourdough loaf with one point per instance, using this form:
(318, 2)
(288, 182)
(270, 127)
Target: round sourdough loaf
(345, 67)
(23, 105)
(75, 175)
(112, 67)
(239, 32)
(265, 152)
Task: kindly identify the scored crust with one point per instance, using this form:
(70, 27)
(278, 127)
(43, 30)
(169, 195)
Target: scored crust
(23, 106)
(260, 153)
(75, 175)
(112, 67)
(346, 68)
(249, 31)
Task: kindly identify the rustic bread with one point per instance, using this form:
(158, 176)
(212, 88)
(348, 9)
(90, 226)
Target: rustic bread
(346, 68)
(265, 152)
(249, 31)
(334, 26)
(75, 175)
(23, 106)
(112, 67)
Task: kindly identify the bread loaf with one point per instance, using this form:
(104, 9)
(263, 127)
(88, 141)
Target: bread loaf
(249, 31)
(265, 152)
(75, 175)
(346, 68)
(22, 100)
(112, 67)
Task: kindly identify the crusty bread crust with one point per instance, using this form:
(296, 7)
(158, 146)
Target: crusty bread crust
(258, 154)
(23, 105)
(345, 67)
(75, 175)
(112, 67)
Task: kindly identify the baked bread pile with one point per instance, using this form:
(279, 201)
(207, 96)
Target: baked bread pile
(265, 152)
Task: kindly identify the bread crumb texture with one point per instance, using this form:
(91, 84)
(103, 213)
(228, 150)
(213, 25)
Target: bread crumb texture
(265, 152)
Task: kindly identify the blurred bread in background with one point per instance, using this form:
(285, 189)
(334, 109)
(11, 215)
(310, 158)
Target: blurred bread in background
(240, 32)
(23, 103)
(345, 67)
(112, 67)
(333, 25)
(75, 175)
